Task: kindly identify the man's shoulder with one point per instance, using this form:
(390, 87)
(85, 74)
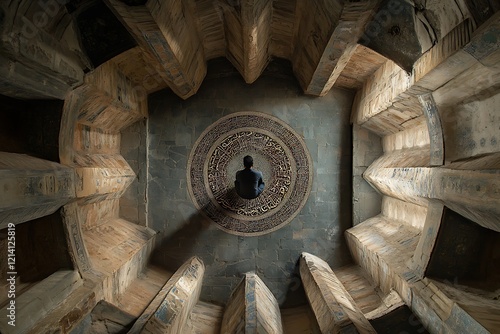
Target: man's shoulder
(258, 172)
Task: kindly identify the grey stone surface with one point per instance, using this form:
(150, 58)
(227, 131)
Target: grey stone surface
(134, 149)
(366, 201)
(174, 126)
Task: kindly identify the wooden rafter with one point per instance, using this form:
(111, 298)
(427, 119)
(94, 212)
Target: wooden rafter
(341, 45)
(248, 30)
(165, 32)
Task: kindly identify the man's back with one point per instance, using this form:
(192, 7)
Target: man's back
(249, 183)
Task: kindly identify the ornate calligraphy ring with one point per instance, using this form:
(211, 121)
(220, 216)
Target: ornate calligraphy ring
(278, 151)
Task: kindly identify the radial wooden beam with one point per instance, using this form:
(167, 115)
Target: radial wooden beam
(463, 188)
(170, 310)
(252, 308)
(388, 101)
(32, 188)
(164, 30)
(283, 24)
(33, 64)
(248, 31)
(335, 309)
(341, 45)
(315, 24)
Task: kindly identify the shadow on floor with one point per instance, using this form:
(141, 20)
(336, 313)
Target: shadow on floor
(177, 248)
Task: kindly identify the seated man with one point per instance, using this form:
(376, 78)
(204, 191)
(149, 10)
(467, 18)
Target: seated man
(249, 183)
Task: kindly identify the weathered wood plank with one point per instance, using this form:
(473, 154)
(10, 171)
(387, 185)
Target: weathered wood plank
(359, 287)
(392, 93)
(32, 188)
(428, 237)
(233, 320)
(383, 248)
(299, 320)
(177, 45)
(262, 313)
(334, 308)
(435, 129)
(166, 35)
(40, 300)
(314, 28)
(445, 60)
(169, 311)
(282, 28)
(252, 308)
(404, 212)
(414, 137)
(205, 318)
(74, 235)
(342, 45)
(256, 24)
(69, 314)
(142, 69)
(470, 193)
(248, 31)
(210, 18)
(141, 292)
(444, 15)
(46, 67)
(119, 250)
(362, 64)
(97, 175)
(483, 76)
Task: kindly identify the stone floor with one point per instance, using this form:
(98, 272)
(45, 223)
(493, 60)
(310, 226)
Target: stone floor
(173, 127)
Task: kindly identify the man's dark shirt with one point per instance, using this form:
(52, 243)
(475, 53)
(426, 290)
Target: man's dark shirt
(249, 183)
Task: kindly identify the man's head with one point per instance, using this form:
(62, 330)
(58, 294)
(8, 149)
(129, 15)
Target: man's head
(248, 161)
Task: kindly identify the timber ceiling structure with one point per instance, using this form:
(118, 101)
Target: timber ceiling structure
(420, 80)
(162, 44)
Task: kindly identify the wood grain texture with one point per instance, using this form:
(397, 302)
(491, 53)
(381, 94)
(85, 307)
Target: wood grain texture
(317, 22)
(32, 188)
(41, 300)
(335, 309)
(205, 318)
(435, 129)
(40, 64)
(164, 32)
(388, 101)
(170, 309)
(342, 45)
(262, 312)
(463, 191)
(119, 250)
(361, 65)
(233, 320)
(211, 25)
(248, 31)
(143, 290)
(252, 308)
(359, 287)
(35, 63)
(428, 238)
(282, 28)
(382, 247)
(299, 320)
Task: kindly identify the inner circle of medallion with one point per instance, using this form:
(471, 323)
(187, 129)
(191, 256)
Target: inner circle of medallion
(271, 157)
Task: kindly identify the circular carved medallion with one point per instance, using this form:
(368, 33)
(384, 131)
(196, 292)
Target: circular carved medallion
(278, 152)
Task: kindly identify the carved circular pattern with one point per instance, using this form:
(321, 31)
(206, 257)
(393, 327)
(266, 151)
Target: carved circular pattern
(278, 152)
